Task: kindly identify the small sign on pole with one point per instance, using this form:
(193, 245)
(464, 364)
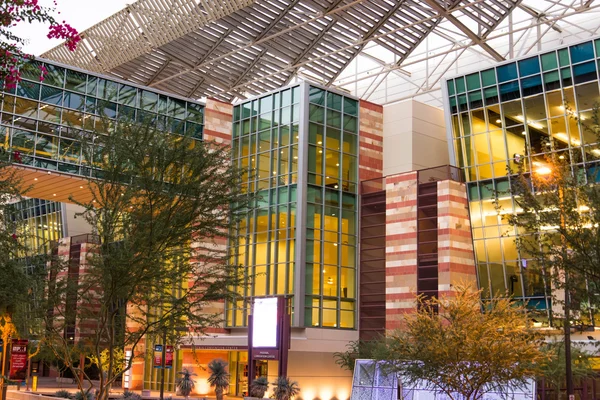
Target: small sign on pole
(158, 348)
(18, 359)
(169, 357)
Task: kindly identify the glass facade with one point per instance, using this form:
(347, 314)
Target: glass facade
(514, 114)
(41, 222)
(42, 122)
(299, 146)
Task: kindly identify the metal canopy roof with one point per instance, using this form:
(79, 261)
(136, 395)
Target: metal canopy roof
(232, 49)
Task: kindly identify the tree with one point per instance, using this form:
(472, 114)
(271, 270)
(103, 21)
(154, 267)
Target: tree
(554, 369)
(186, 383)
(464, 347)
(558, 215)
(12, 57)
(219, 377)
(160, 209)
(358, 349)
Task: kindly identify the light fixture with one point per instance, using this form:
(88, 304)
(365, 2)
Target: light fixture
(49, 173)
(523, 133)
(320, 151)
(80, 187)
(54, 194)
(330, 280)
(335, 244)
(565, 138)
(543, 170)
(498, 121)
(336, 186)
(319, 142)
(337, 164)
(35, 179)
(561, 157)
(531, 124)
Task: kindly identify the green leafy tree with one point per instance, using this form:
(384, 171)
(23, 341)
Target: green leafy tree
(463, 347)
(219, 377)
(554, 369)
(160, 208)
(557, 211)
(355, 350)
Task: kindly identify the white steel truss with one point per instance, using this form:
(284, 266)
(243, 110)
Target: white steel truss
(379, 50)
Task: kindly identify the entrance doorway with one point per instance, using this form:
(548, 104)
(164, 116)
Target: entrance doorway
(238, 363)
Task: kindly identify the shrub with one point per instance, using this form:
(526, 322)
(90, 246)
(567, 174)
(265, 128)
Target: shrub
(129, 395)
(63, 394)
(258, 387)
(80, 396)
(285, 389)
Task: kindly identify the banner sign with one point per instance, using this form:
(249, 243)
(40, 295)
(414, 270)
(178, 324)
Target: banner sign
(18, 360)
(169, 357)
(158, 355)
(264, 324)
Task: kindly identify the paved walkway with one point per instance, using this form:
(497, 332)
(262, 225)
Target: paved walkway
(49, 386)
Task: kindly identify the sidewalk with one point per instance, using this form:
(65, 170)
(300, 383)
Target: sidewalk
(49, 386)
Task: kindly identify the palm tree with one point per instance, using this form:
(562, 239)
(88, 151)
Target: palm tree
(219, 377)
(285, 389)
(186, 383)
(258, 387)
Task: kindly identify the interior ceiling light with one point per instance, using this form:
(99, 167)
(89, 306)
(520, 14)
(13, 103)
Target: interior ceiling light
(564, 138)
(531, 124)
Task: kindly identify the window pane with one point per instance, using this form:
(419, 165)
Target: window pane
(549, 61)
(507, 72)
(488, 77)
(529, 66)
(473, 81)
(582, 52)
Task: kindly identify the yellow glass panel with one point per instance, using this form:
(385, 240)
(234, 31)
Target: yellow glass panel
(346, 319)
(27, 108)
(330, 253)
(510, 248)
(482, 149)
(494, 250)
(260, 280)
(281, 281)
(9, 103)
(478, 122)
(485, 171)
(348, 282)
(554, 104)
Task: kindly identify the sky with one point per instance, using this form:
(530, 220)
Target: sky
(81, 14)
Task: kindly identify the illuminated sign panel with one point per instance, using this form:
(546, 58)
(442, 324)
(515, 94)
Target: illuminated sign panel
(264, 327)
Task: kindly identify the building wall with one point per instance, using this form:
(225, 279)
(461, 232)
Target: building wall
(427, 242)
(518, 112)
(401, 247)
(415, 137)
(370, 147)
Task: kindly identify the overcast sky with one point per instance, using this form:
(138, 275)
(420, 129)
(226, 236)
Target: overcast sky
(81, 14)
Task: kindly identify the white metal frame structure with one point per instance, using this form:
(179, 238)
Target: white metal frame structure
(379, 50)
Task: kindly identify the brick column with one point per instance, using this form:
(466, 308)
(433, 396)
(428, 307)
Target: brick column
(218, 120)
(370, 146)
(401, 247)
(456, 260)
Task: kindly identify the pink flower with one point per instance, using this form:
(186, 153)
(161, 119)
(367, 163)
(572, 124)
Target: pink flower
(17, 156)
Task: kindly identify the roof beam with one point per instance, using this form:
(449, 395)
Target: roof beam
(476, 39)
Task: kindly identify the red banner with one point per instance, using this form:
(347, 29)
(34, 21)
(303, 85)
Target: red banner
(169, 357)
(18, 360)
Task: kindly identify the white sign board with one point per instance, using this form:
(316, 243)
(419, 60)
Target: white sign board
(264, 322)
